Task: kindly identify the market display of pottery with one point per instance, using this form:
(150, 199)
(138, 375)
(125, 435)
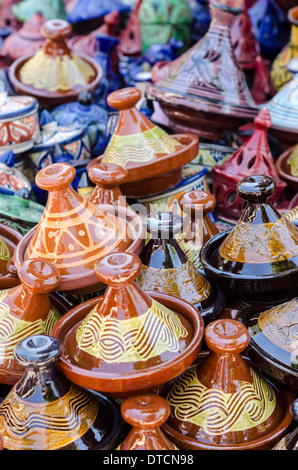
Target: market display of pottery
(148, 227)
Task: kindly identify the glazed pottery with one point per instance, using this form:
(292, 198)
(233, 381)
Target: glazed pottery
(145, 413)
(59, 143)
(287, 167)
(107, 178)
(44, 411)
(27, 40)
(258, 255)
(153, 159)
(279, 73)
(262, 89)
(84, 112)
(50, 9)
(88, 10)
(252, 158)
(198, 227)
(130, 37)
(161, 21)
(11, 179)
(73, 233)
(222, 402)
(205, 91)
(200, 19)
(19, 125)
(272, 345)
(9, 239)
(7, 18)
(19, 208)
(26, 310)
(290, 441)
(54, 74)
(271, 27)
(166, 268)
(283, 109)
(211, 154)
(129, 341)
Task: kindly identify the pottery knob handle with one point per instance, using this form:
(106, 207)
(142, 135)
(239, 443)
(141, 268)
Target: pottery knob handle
(257, 188)
(39, 276)
(37, 351)
(125, 98)
(118, 269)
(56, 29)
(263, 121)
(145, 411)
(55, 177)
(227, 336)
(107, 175)
(196, 200)
(163, 224)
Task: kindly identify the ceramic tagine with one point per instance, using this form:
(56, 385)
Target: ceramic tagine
(73, 233)
(198, 227)
(26, 310)
(205, 91)
(19, 124)
(279, 72)
(252, 158)
(287, 167)
(9, 238)
(86, 11)
(153, 159)
(146, 413)
(44, 411)
(18, 209)
(258, 255)
(128, 341)
(107, 178)
(55, 74)
(59, 143)
(200, 19)
(273, 345)
(84, 112)
(283, 109)
(27, 40)
(50, 9)
(167, 269)
(160, 21)
(290, 441)
(271, 27)
(130, 37)
(11, 179)
(223, 403)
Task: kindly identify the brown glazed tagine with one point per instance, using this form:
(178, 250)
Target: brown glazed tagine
(107, 178)
(260, 253)
(287, 167)
(26, 310)
(9, 239)
(128, 341)
(153, 159)
(73, 233)
(55, 74)
(205, 91)
(146, 413)
(252, 158)
(290, 441)
(223, 403)
(198, 227)
(273, 346)
(44, 411)
(166, 268)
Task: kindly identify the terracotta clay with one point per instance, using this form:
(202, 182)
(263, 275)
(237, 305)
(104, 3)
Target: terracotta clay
(107, 178)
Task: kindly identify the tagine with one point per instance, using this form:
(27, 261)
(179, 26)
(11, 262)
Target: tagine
(107, 178)
(128, 341)
(44, 411)
(9, 239)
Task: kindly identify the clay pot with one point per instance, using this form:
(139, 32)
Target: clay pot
(284, 169)
(107, 178)
(9, 239)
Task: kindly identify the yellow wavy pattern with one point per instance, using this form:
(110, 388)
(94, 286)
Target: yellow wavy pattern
(4, 251)
(133, 339)
(218, 412)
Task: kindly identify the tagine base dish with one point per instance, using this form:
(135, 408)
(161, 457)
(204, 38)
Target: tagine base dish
(284, 169)
(121, 385)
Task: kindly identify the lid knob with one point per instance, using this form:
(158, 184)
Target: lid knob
(55, 177)
(257, 188)
(145, 411)
(118, 269)
(56, 29)
(125, 98)
(37, 351)
(107, 175)
(39, 276)
(227, 336)
(196, 200)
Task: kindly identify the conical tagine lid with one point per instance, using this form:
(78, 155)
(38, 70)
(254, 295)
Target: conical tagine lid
(73, 233)
(263, 242)
(222, 401)
(128, 330)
